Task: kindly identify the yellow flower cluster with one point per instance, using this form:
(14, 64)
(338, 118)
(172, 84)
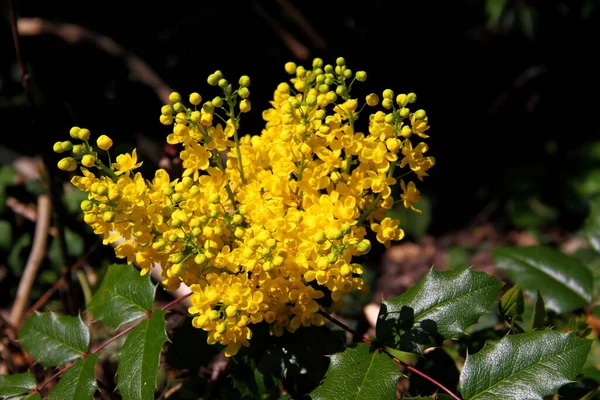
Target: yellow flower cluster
(263, 227)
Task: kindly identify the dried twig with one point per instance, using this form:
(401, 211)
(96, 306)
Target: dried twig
(26, 212)
(38, 251)
(74, 34)
(295, 15)
(299, 50)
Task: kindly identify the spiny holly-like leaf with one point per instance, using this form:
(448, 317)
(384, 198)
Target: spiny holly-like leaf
(358, 373)
(54, 339)
(124, 296)
(11, 385)
(440, 305)
(31, 396)
(565, 282)
(79, 382)
(524, 366)
(139, 358)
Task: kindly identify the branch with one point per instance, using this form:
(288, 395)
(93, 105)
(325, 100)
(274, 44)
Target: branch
(75, 34)
(38, 251)
(299, 50)
(107, 342)
(384, 350)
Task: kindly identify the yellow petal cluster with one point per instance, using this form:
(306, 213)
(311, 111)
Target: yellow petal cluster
(263, 228)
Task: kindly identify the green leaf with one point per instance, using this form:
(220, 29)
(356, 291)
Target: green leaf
(512, 303)
(358, 373)
(17, 255)
(8, 174)
(32, 396)
(139, 358)
(592, 225)
(79, 382)
(5, 235)
(440, 305)
(566, 283)
(54, 339)
(539, 313)
(74, 249)
(524, 366)
(11, 385)
(494, 10)
(123, 296)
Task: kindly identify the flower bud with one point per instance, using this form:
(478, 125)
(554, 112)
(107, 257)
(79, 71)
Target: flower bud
(174, 97)
(104, 142)
(195, 98)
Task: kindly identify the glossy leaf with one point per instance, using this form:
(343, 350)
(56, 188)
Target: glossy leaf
(124, 296)
(11, 385)
(359, 373)
(512, 303)
(78, 382)
(592, 225)
(139, 358)
(439, 306)
(565, 282)
(54, 339)
(524, 366)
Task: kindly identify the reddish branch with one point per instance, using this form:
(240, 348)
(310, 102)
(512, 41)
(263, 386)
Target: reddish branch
(384, 350)
(107, 342)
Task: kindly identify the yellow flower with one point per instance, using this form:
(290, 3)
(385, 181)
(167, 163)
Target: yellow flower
(262, 227)
(410, 195)
(387, 231)
(126, 162)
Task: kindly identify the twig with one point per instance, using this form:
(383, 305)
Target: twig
(107, 342)
(21, 209)
(384, 350)
(38, 251)
(299, 50)
(74, 34)
(296, 16)
(53, 190)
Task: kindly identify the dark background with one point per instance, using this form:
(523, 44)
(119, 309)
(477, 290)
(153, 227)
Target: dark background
(510, 87)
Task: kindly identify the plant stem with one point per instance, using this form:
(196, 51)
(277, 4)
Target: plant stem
(384, 350)
(107, 342)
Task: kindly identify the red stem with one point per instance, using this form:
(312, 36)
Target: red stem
(385, 350)
(109, 341)
(177, 300)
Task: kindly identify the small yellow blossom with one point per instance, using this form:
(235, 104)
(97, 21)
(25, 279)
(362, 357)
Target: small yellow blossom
(262, 227)
(126, 163)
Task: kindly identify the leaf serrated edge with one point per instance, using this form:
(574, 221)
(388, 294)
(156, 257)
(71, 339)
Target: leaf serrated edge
(584, 343)
(54, 317)
(522, 260)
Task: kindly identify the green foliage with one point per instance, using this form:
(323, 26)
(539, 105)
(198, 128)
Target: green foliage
(139, 358)
(528, 365)
(79, 382)
(5, 235)
(359, 373)
(124, 296)
(12, 385)
(565, 282)
(512, 303)
(440, 305)
(592, 225)
(54, 339)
